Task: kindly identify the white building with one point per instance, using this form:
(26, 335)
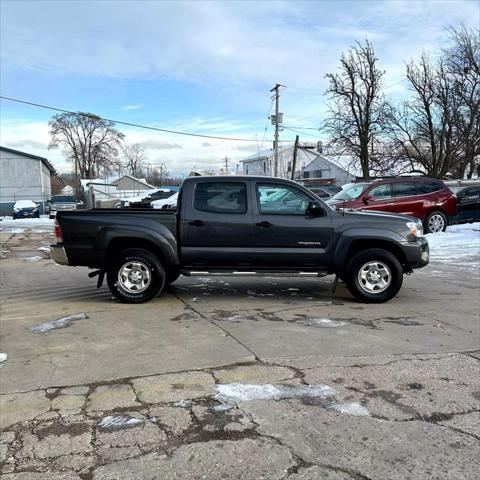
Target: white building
(311, 167)
(23, 176)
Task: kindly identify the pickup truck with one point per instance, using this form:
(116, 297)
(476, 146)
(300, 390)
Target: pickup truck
(241, 226)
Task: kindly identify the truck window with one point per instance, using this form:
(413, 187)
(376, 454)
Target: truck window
(216, 197)
(282, 200)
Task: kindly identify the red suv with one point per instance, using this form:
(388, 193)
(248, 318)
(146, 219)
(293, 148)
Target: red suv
(428, 199)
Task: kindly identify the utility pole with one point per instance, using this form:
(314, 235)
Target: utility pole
(294, 163)
(226, 165)
(276, 122)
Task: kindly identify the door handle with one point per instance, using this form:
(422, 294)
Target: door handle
(264, 224)
(196, 223)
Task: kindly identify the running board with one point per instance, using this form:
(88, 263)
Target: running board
(264, 273)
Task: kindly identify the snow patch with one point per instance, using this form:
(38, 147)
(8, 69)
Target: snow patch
(15, 230)
(232, 393)
(458, 246)
(325, 323)
(183, 403)
(44, 249)
(62, 322)
(354, 408)
(119, 421)
(3, 358)
(35, 258)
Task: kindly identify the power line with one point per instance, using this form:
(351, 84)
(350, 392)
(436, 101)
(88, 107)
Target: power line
(120, 122)
(301, 133)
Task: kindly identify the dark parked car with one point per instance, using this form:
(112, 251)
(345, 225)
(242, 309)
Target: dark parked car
(468, 203)
(428, 199)
(243, 226)
(325, 192)
(25, 209)
(63, 203)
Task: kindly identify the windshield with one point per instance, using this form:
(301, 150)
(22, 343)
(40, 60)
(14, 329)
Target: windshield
(350, 193)
(63, 199)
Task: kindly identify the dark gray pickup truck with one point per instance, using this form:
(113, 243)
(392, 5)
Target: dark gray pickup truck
(241, 226)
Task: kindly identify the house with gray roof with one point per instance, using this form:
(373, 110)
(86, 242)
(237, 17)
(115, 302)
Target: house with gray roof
(311, 167)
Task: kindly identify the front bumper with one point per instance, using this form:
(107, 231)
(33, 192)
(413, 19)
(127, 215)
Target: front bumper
(417, 253)
(58, 253)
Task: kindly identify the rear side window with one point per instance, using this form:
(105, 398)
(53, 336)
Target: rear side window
(382, 191)
(405, 189)
(216, 197)
(430, 187)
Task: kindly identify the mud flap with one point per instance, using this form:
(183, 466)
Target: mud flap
(335, 283)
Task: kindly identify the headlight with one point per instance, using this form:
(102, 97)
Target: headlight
(416, 228)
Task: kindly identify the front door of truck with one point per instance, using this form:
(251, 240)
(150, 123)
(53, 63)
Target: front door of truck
(216, 229)
(285, 235)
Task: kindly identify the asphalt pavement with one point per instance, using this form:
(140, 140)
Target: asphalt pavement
(229, 378)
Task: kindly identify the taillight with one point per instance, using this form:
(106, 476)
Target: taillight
(57, 231)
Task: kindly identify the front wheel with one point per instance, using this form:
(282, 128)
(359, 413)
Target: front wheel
(374, 276)
(435, 222)
(136, 276)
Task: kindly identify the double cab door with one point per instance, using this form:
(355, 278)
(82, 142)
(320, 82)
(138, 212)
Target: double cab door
(252, 224)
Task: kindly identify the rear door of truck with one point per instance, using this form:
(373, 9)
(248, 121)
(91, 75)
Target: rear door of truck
(216, 223)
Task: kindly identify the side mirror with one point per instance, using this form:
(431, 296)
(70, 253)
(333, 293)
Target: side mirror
(314, 209)
(366, 199)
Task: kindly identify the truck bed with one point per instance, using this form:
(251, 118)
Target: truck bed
(84, 230)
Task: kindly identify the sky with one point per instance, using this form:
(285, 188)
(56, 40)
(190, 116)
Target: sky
(204, 67)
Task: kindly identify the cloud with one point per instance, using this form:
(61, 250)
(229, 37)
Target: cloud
(222, 43)
(154, 144)
(135, 106)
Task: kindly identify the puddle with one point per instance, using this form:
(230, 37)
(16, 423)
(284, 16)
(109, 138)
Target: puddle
(59, 323)
(117, 422)
(355, 409)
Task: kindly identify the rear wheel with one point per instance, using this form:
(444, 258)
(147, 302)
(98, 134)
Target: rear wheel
(436, 221)
(374, 276)
(136, 276)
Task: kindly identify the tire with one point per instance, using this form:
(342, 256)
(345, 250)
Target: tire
(136, 276)
(51, 217)
(171, 277)
(435, 222)
(374, 276)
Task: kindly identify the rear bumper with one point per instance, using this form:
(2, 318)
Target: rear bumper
(58, 253)
(417, 254)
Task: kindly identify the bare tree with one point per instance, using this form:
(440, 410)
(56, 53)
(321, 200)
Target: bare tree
(423, 127)
(158, 175)
(438, 129)
(462, 61)
(89, 141)
(357, 107)
(134, 158)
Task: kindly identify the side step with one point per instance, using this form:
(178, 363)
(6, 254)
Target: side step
(261, 273)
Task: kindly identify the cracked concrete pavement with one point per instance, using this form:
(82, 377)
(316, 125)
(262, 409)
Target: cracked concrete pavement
(129, 392)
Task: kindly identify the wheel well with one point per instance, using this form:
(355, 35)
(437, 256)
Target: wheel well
(119, 244)
(360, 245)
